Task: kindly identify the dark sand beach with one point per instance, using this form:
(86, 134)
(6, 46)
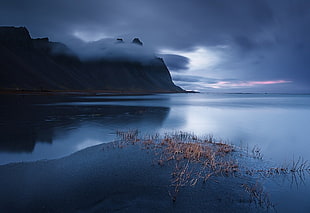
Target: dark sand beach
(112, 177)
(154, 106)
(106, 178)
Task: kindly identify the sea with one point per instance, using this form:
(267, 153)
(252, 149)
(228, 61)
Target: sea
(36, 127)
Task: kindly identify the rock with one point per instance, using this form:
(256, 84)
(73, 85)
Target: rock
(137, 41)
(119, 40)
(16, 36)
(38, 64)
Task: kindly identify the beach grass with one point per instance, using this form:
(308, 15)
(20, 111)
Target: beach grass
(194, 160)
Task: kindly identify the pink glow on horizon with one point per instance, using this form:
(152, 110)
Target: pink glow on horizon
(222, 84)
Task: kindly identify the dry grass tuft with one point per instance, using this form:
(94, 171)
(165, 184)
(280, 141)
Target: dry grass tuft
(195, 160)
(258, 196)
(192, 159)
(128, 136)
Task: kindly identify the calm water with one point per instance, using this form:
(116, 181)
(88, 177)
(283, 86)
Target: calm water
(36, 127)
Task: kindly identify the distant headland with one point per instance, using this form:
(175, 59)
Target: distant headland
(40, 65)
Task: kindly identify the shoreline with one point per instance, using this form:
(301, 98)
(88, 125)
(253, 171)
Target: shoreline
(108, 178)
(89, 92)
(128, 176)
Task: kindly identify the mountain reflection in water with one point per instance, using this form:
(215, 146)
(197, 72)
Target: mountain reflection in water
(36, 127)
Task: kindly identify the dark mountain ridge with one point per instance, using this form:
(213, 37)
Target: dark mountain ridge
(38, 64)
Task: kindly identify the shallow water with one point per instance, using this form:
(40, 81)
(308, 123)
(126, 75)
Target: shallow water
(36, 127)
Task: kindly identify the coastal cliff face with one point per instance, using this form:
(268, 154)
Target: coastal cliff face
(38, 64)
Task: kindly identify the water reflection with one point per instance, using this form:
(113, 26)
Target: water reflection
(45, 127)
(34, 127)
(39, 127)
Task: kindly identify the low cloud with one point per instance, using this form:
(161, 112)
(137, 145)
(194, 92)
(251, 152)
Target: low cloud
(201, 83)
(111, 49)
(256, 40)
(193, 78)
(176, 62)
(238, 84)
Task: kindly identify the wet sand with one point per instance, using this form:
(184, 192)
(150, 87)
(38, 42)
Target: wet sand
(105, 178)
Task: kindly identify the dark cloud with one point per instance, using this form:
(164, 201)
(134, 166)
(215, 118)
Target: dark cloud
(112, 49)
(178, 24)
(187, 78)
(263, 40)
(194, 78)
(176, 62)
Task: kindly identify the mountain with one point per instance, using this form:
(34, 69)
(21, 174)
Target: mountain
(39, 64)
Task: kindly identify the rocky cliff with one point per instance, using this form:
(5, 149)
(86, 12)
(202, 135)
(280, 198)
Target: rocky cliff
(38, 64)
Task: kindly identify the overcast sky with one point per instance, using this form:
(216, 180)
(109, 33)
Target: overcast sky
(208, 45)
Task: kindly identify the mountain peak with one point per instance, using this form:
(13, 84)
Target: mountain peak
(137, 41)
(17, 35)
(119, 40)
(39, 64)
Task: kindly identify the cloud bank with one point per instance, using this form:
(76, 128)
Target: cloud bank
(252, 41)
(111, 49)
